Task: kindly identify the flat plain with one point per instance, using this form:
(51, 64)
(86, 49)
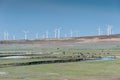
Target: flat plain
(80, 70)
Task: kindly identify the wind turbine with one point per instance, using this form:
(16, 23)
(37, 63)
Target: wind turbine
(14, 37)
(6, 35)
(46, 34)
(58, 30)
(25, 35)
(109, 30)
(55, 33)
(37, 35)
(71, 33)
(99, 31)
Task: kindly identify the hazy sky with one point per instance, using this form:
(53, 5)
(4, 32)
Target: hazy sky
(83, 16)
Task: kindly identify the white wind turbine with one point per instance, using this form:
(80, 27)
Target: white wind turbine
(55, 31)
(109, 30)
(37, 35)
(99, 30)
(6, 36)
(25, 35)
(58, 30)
(59, 34)
(71, 33)
(14, 37)
(46, 34)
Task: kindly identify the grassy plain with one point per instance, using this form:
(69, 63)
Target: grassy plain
(83, 70)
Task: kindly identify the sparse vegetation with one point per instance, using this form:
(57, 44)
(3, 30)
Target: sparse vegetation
(83, 70)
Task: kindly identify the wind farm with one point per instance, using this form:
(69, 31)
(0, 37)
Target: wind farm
(56, 34)
(43, 54)
(59, 40)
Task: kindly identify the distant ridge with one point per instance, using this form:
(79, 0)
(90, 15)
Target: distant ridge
(113, 37)
(101, 36)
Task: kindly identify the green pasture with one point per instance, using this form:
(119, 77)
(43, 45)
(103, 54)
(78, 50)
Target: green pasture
(49, 48)
(83, 70)
(64, 71)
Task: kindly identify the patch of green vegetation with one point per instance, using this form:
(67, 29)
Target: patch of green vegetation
(7, 61)
(49, 48)
(61, 71)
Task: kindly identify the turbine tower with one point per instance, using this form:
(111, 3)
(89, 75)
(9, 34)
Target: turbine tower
(58, 30)
(55, 33)
(37, 35)
(99, 31)
(14, 37)
(6, 35)
(46, 34)
(25, 35)
(109, 30)
(71, 33)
